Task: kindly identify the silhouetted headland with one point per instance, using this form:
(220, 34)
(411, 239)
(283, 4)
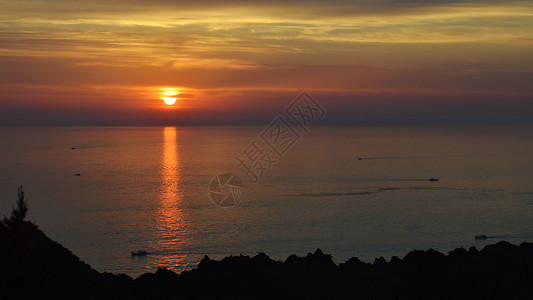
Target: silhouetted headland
(34, 267)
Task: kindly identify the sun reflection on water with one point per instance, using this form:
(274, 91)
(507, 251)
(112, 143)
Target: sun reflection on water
(170, 244)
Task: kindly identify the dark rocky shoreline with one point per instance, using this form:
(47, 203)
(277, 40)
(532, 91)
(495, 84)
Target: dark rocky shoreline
(34, 267)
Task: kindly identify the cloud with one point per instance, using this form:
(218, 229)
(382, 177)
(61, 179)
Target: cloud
(51, 50)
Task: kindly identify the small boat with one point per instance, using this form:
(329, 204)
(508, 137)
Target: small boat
(73, 148)
(480, 237)
(433, 179)
(77, 174)
(359, 158)
(139, 253)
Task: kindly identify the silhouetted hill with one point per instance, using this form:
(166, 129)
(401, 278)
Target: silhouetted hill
(34, 267)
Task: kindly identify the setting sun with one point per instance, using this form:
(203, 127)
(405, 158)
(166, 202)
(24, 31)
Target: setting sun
(169, 96)
(169, 100)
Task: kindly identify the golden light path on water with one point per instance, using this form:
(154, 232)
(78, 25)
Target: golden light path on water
(170, 245)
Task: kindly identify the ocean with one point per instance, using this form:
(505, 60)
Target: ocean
(104, 192)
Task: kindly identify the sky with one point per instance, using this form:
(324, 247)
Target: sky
(101, 62)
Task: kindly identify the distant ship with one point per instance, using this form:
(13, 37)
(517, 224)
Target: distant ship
(480, 237)
(433, 179)
(139, 253)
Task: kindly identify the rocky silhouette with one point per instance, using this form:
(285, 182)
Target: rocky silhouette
(35, 267)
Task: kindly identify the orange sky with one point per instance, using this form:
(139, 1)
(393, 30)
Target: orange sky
(239, 62)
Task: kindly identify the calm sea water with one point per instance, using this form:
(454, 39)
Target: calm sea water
(145, 188)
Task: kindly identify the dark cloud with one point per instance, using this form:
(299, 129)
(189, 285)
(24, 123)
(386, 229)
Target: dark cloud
(77, 8)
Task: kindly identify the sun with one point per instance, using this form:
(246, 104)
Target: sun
(169, 100)
(169, 97)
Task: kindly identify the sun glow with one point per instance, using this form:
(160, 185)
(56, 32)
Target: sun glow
(169, 100)
(170, 93)
(169, 96)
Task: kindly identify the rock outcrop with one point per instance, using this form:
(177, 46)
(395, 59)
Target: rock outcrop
(35, 267)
